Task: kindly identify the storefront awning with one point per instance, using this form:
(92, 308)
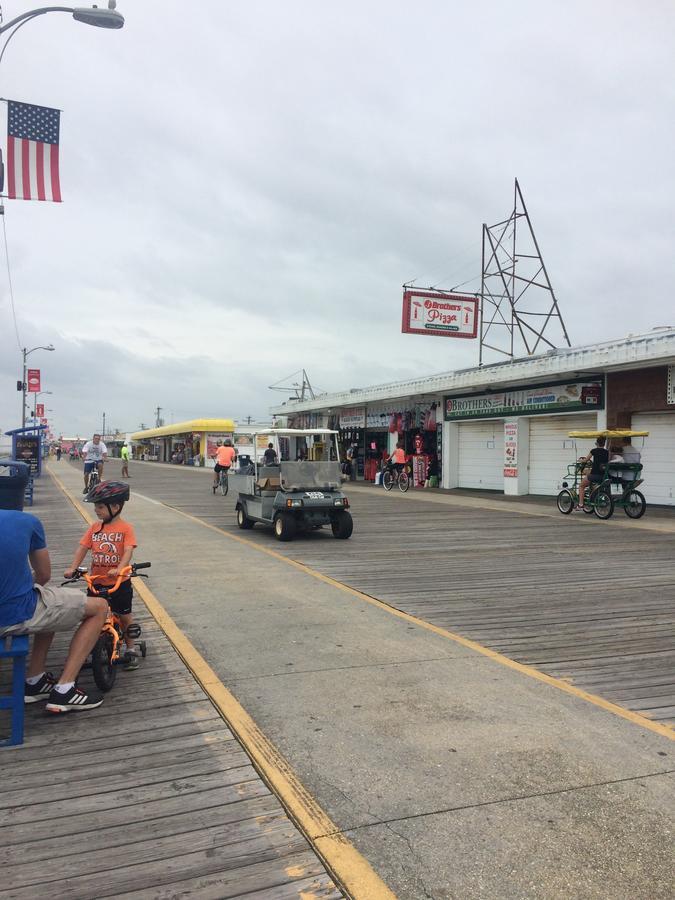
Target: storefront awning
(215, 426)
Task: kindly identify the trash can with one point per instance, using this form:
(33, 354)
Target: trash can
(14, 476)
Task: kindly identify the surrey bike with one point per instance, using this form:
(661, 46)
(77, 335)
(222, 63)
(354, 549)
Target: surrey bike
(106, 653)
(618, 487)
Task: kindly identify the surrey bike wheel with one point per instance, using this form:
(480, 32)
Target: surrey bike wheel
(635, 505)
(387, 479)
(565, 502)
(102, 667)
(403, 482)
(603, 505)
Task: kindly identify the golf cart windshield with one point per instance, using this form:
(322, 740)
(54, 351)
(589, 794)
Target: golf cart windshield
(310, 476)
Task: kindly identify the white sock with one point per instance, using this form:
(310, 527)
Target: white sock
(34, 678)
(64, 688)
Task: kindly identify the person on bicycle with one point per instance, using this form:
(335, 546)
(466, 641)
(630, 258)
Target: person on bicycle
(30, 605)
(94, 453)
(397, 458)
(598, 458)
(111, 542)
(225, 455)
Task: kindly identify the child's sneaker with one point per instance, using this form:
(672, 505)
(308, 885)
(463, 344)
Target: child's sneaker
(130, 661)
(72, 699)
(40, 691)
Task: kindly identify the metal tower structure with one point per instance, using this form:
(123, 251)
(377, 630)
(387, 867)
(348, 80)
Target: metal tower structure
(517, 297)
(302, 390)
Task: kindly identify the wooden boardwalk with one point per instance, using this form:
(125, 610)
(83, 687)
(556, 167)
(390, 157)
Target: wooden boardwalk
(149, 796)
(583, 600)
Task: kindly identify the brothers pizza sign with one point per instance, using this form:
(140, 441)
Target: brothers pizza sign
(445, 315)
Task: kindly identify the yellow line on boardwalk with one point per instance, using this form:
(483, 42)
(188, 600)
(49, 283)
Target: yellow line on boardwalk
(530, 671)
(351, 870)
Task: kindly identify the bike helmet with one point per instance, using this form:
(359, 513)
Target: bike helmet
(108, 492)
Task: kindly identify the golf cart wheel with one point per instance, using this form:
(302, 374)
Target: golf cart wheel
(284, 527)
(565, 502)
(342, 526)
(102, 667)
(635, 505)
(603, 505)
(387, 479)
(243, 520)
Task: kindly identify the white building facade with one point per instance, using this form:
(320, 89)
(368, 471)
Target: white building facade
(505, 427)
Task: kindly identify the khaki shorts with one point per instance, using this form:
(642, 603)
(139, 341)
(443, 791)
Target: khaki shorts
(58, 609)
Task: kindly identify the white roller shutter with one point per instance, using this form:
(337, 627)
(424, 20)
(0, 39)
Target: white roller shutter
(481, 455)
(658, 456)
(552, 450)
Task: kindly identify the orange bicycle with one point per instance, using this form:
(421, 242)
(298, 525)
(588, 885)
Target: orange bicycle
(106, 652)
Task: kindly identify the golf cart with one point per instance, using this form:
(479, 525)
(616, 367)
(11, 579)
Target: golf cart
(300, 491)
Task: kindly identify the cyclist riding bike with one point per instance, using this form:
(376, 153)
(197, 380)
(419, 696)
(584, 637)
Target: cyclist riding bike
(224, 457)
(94, 453)
(397, 458)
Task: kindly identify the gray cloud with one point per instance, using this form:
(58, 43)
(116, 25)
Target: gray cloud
(246, 189)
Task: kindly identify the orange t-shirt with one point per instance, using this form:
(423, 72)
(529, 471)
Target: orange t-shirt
(225, 456)
(398, 455)
(107, 543)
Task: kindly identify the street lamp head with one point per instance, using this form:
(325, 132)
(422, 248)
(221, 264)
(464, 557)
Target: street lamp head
(49, 347)
(101, 18)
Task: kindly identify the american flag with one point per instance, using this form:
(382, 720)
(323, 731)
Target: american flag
(33, 152)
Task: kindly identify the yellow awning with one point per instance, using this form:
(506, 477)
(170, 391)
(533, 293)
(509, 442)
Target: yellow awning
(609, 433)
(216, 426)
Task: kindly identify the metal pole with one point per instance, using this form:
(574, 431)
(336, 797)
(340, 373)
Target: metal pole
(23, 392)
(103, 429)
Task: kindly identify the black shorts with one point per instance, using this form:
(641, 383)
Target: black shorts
(219, 468)
(120, 601)
(595, 478)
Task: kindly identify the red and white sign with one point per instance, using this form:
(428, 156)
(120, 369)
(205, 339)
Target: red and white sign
(445, 315)
(33, 381)
(510, 449)
(39, 410)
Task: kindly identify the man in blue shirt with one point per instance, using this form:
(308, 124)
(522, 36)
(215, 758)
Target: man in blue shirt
(28, 605)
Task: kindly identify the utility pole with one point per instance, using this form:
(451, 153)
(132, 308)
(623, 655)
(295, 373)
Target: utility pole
(157, 419)
(103, 429)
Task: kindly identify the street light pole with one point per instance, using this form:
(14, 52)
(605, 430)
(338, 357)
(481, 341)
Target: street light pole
(23, 383)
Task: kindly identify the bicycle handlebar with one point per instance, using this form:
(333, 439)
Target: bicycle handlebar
(127, 571)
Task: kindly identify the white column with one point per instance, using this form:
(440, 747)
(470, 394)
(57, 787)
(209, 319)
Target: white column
(450, 455)
(517, 464)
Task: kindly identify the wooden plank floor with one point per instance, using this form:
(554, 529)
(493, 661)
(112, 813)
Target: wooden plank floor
(149, 796)
(577, 598)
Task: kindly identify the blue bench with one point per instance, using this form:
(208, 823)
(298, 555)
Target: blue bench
(16, 649)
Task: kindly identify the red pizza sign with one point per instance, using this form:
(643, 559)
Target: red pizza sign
(445, 315)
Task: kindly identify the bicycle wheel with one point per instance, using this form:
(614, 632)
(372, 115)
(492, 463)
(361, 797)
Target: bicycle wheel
(222, 483)
(603, 505)
(403, 482)
(565, 502)
(635, 505)
(387, 480)
(102, 667)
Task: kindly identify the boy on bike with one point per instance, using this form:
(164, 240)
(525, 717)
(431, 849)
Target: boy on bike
(111, 542)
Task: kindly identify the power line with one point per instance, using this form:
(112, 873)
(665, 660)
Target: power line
(9, 277)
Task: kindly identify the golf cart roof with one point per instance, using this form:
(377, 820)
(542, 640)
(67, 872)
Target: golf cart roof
(609, 433)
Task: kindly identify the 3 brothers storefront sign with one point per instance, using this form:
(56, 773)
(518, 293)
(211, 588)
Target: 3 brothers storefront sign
(559, 397)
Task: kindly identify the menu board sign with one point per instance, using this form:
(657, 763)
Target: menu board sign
(27, 449)
(562, 396)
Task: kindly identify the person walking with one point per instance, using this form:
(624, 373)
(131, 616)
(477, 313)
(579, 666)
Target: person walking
(124, 453)
(58, 453)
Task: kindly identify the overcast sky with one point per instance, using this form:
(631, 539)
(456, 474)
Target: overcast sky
(247, 187)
